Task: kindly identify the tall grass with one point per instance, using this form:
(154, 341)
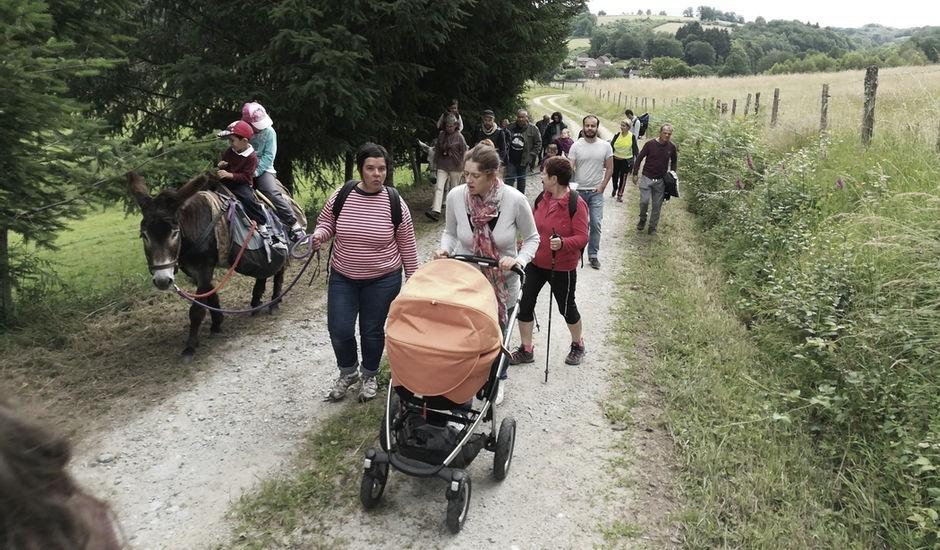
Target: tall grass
(831, 253)
(908, 100)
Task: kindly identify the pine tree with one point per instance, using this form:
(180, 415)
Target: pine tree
(51, 148)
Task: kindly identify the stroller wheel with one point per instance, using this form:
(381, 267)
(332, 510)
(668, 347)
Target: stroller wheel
(458, 504)
(373, 485)
(505, 443)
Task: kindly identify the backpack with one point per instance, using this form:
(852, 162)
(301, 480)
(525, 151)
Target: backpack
(572, 209)
(644, 123)
(394, 199)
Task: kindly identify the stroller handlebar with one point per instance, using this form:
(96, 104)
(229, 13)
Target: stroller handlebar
(485, 261)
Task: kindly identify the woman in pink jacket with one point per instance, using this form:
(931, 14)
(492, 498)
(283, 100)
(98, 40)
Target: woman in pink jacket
(563, 233)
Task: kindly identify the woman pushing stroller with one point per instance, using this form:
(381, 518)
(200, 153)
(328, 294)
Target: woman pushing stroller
(484, 218)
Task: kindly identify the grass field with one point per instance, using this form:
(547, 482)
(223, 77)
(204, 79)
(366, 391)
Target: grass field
(908, 100)
(578, 44)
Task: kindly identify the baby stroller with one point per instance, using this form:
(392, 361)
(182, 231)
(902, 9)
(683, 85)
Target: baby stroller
(445, 347)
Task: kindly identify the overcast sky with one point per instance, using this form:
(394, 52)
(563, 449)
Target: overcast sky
(898, 14)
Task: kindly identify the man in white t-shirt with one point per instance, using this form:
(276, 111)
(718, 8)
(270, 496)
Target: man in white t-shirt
(593, 162)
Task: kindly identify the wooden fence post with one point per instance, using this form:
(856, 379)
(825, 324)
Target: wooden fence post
(654, 103)
(774, 110)
(824, 109)
(608, 95)
(619, 97)
(747, 105)
(868, 116)
(636, 101)
(756, 103)
(734, 106)
(724, 108)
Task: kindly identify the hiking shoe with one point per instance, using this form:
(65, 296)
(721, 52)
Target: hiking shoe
(595, 263)
(342, 385)
(278, 244)
(652, 231)
(575, 355)
(521, 356)
(369, 388)
(619, 198)
(640, 226)
(432, 215)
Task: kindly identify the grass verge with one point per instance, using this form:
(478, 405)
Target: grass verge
(748, 476)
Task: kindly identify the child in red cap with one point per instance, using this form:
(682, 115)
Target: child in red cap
(237, 171)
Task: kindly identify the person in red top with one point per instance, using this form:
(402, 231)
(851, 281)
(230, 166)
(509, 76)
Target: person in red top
(237, 170)
(562, 238)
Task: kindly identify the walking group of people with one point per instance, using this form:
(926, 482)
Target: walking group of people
(488, 216)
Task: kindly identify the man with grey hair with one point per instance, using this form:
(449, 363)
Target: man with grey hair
(524, 145)
(658, 156)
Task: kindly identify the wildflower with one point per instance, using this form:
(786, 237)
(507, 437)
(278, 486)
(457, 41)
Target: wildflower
(738, 184)
(840, 184)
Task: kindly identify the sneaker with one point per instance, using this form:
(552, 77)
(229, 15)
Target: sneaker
(619, 198)
(521, 356)
(278, 244)
(500, 392)
(575, 355)
(640, 226)
(432, 215)
(652, 231)
(369, 388)
(343, 384)
(595, 263)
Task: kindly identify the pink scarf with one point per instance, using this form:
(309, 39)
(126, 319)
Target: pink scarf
(481, 211)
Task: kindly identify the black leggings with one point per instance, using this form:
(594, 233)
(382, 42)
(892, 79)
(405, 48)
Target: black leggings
(563, 286)
(250, 204)
(622, 168)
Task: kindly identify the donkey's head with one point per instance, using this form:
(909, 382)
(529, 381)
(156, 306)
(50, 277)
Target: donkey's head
(160, 226)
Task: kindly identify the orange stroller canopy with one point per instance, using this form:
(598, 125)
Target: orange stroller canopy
(443, 331)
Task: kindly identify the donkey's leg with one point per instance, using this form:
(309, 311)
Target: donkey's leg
(196, 315)
(216, 315)
(276, 291)
(257, 293)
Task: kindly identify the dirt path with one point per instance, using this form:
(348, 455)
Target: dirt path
(172, 471)
(560, 491)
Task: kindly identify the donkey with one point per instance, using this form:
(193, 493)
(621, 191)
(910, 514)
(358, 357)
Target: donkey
(177, 230)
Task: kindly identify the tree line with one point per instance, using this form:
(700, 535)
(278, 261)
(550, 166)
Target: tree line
(756, 47)
(90, 87)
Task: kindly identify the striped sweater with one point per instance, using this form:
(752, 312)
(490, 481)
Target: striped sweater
(366, 245)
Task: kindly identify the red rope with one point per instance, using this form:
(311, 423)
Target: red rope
(231, 270)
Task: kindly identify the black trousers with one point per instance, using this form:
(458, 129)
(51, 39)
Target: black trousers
(622, 168)
(563, 284)
(246, 196)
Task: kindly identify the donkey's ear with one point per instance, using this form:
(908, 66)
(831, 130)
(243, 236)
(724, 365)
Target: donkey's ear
(191, 187)
(138, 189)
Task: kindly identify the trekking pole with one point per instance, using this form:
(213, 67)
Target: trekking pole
(551, 281)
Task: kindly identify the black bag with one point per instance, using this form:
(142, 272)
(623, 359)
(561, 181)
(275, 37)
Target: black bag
(670, 185)
(259, 260)
(644, 123)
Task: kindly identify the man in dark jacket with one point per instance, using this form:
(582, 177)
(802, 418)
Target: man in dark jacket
(524, 145)
(658, 156)
(489, 130)
(553, 130)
